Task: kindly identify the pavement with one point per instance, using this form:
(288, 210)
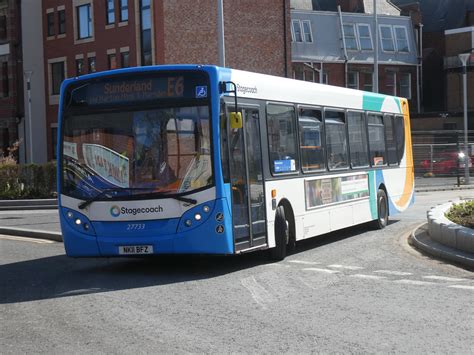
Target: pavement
(40, 219)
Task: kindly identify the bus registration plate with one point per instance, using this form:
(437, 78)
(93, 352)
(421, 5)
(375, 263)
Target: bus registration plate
(135, 249)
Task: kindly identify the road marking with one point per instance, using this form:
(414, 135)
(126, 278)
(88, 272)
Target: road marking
(414, 282)
(462, 287)
(304, 262)
(327, 271)
(396, 273)
(444, 278)
(347, 267)
(26, 239)
(258, 292)
(371, 277)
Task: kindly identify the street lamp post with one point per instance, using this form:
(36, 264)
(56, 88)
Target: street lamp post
(28, 74)
(464, 57)
(220, 32)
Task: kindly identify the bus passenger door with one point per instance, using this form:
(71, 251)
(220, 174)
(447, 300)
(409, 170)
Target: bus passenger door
(248, 200)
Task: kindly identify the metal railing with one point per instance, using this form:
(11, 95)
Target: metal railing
(439, 157)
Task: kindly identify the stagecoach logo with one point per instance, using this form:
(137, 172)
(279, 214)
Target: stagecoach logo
(247, 89)
(116, 211)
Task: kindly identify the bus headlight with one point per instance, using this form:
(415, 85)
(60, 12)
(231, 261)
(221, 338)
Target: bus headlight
(77, 221)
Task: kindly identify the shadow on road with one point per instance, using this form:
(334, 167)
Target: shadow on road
(60, 276)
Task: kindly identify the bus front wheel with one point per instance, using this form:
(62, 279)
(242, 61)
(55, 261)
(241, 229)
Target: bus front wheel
(282, 235)
(382, 210)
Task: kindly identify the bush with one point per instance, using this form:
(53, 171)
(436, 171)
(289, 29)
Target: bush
(27, 181)
(462, 213)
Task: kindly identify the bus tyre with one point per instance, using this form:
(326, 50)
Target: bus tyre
(382, 210)
(281, 235)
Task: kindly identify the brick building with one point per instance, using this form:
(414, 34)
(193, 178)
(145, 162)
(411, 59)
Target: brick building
(83, 36)
(11, 99)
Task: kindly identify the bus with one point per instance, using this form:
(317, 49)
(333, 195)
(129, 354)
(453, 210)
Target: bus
(198, 159)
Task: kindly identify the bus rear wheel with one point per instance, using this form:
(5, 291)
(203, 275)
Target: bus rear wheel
(282, 235)
(382, 210)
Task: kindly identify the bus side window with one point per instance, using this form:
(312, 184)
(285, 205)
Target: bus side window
(311, 134)
(399, 125)
(336, 139)
(357, 139)
(391, 140)
(282, 138)
(376, 139)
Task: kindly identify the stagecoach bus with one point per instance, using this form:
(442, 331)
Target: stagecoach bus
(201, 159)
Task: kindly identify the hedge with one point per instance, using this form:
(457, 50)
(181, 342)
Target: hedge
(27, 181)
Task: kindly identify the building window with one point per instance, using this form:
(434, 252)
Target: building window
(405, 85)
(125, 59)
(386, 37)
(353, 80)
(50, 21)
(84, 21)
(62, 22)
(3, 27)
(91, 64)
(79, 67)
(112, 61)
(308, 37)
(147, 58)
(368, 82)
(296, 31)
(350, 37)
(402, 39)
(365, 39)
(4, 79)
(391, 87)
(325, 78)
(124, 10)
(57, 77)
(110, 11)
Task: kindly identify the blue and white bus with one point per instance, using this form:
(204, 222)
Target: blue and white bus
(209, 160)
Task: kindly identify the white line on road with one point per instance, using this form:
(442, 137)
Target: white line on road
(371, 277)
(327, 271)
(258, 292)
(25, 239)
(444, 278)
(462, 287)
(304, 262)
(347, 267)
(414, 282)
(390, 272)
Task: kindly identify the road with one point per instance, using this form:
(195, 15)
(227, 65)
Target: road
(356, 290)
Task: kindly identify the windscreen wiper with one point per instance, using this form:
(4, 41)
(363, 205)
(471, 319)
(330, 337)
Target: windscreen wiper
(97, 197)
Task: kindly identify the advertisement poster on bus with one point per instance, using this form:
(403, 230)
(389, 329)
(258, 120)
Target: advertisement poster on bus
(107, 163)
(322, 192)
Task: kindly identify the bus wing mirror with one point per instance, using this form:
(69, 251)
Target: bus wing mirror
(236, 120)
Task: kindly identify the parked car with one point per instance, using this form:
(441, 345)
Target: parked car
(447, 163)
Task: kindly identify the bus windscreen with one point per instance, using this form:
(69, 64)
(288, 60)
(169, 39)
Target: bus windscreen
(157, 148)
